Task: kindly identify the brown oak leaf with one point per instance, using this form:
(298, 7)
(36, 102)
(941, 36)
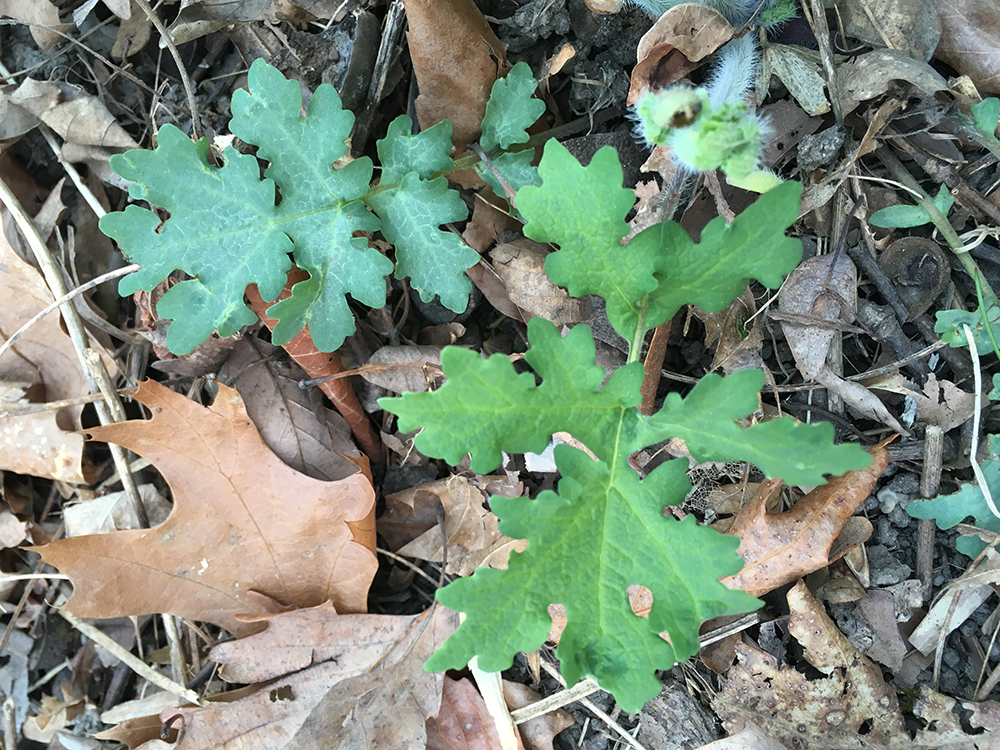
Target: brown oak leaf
(781, 547)
(243, 523)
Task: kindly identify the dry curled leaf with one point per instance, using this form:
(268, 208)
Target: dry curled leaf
(243, 522)
(781, 547)
(850, 708)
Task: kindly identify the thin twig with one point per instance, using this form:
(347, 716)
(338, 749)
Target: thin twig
(110, 409)
(618, 728)
(136, 664)
(97, 281)
(185, 80)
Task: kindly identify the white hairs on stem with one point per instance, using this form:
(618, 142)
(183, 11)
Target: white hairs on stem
(734, 70)
(737, 12)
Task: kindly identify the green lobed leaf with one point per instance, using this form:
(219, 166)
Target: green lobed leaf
(969, 502)
(951, 325)
(515, 167)
(226, 230)
(228, 210)
(435, 260)
(986, 114)
(714, 272)
(414, 208)
(485, 407)
(602, 533)
(705, 419)
(402, 152)
(583, 210)
(511, 109)
(605, 520)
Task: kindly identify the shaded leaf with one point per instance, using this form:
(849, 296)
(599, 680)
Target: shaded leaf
(969, 502)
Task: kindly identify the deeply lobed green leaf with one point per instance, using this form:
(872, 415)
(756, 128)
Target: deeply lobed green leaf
(604, 519)
(583, 210)
(511, 110)
(604, 531)
(226, 229)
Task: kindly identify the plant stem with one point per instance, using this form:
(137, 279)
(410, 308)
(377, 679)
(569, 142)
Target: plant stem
(635, 348)
(968, 127)
(940, 220)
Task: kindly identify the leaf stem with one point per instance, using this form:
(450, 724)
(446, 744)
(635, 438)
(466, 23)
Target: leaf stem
(635, 348)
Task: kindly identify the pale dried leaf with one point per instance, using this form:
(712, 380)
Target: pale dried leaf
(74, 114)
(851, 708)
(113, 512)
(298, 639)
(970, 40)
(800, 71)
(693, 29)
(43, 15)
(911, 26)
(386, 707)
(869, 76)
(781, 547)
(521, 267)
(403, 369)
(859, 398)
(412, 527)
(823, 288)
(293, 421)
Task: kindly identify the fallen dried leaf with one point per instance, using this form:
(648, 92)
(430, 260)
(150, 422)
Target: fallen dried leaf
(403, 369)
(824, 289)
(521, 266)
(300, 638)
(970, 40)
(456, 58)
(850, 708)
(911, 26)
(781, 547)
(242, 522)
(676, 45)
(411, 525)
(463, 723)
(292, 421)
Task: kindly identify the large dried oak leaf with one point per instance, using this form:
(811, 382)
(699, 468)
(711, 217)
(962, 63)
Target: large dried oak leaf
(242, 522)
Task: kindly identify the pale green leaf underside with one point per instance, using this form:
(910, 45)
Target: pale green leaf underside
(226, 230)
(228, 210)
(435, 260)
(512, 109)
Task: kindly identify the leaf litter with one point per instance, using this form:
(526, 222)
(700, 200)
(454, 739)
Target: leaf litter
(356, 675)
